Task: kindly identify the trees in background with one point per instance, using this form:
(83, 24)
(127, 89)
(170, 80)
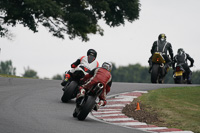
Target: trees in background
(131, 73)
(139, 74)
(196, 77)
(7, 68)
(57, 77)
(30, 73)
(77, 18)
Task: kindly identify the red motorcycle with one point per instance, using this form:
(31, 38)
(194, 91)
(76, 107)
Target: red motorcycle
(88, 102)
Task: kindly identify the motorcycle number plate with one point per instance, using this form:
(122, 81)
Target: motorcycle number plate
(180, 73)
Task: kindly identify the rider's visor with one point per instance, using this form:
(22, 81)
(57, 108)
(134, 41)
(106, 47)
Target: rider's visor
(91, 58)
(162, 39)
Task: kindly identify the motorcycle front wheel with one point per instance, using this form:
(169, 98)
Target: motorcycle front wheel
(69, 92)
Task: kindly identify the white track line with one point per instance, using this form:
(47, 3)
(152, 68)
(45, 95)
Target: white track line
(118, 119)
(179, 132)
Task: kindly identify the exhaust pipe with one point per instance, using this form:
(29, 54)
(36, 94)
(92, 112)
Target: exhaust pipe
(100, 85)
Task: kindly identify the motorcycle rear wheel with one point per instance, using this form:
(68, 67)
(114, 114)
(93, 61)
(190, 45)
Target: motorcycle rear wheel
(86, 108)
(178, 80)
(75, 113)
(155, 73)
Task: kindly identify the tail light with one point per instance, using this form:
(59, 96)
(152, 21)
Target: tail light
(178, 68)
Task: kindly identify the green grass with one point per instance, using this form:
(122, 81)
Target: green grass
(10, 76)
(177, 107)
(14, 76)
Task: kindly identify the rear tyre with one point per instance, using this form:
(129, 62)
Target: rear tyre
(155, 73)
(75, 113)
(86, 108)
(178, 80)
(69, 91)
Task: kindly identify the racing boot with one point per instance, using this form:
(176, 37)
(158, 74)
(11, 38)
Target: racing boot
(161, 80)
(166, 68)
(64, 82)
(189, 81)
(150, 68)
(150, 65)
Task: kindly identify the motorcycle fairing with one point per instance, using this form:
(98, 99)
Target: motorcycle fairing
(158, 58)
(85, 69)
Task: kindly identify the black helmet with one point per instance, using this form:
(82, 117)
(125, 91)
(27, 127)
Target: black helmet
(180, 51)
(92, 54)
(162, 36)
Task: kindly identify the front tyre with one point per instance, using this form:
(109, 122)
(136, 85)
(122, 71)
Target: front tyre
(155, 73)
(69, 91)
(86, 108)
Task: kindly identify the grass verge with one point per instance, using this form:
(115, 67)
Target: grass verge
(177, 107)
(10, 76)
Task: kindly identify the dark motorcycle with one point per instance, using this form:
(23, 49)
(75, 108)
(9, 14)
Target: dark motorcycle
(88, 102)
(179, 75)
(70, 90)
(158, 69)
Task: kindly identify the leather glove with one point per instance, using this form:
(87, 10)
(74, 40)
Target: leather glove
(73, 66)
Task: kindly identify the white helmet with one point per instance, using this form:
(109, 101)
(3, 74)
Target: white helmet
(107, 66)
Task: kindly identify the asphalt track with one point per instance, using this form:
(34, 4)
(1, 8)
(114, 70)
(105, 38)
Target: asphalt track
(34, 106)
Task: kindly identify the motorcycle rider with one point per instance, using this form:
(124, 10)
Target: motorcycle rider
(97, 75)
(161, 45)
(89, 61)
(181, 58)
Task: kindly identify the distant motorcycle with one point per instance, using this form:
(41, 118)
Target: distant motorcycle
(70, 90)
(158, 70)
(179, 75)
(88, 102)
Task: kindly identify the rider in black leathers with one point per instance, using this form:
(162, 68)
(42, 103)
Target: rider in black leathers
(181, 58)
(161, 45)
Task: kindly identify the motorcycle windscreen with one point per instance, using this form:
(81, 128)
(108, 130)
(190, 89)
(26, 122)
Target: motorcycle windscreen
(179, 73)
(91, 58)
